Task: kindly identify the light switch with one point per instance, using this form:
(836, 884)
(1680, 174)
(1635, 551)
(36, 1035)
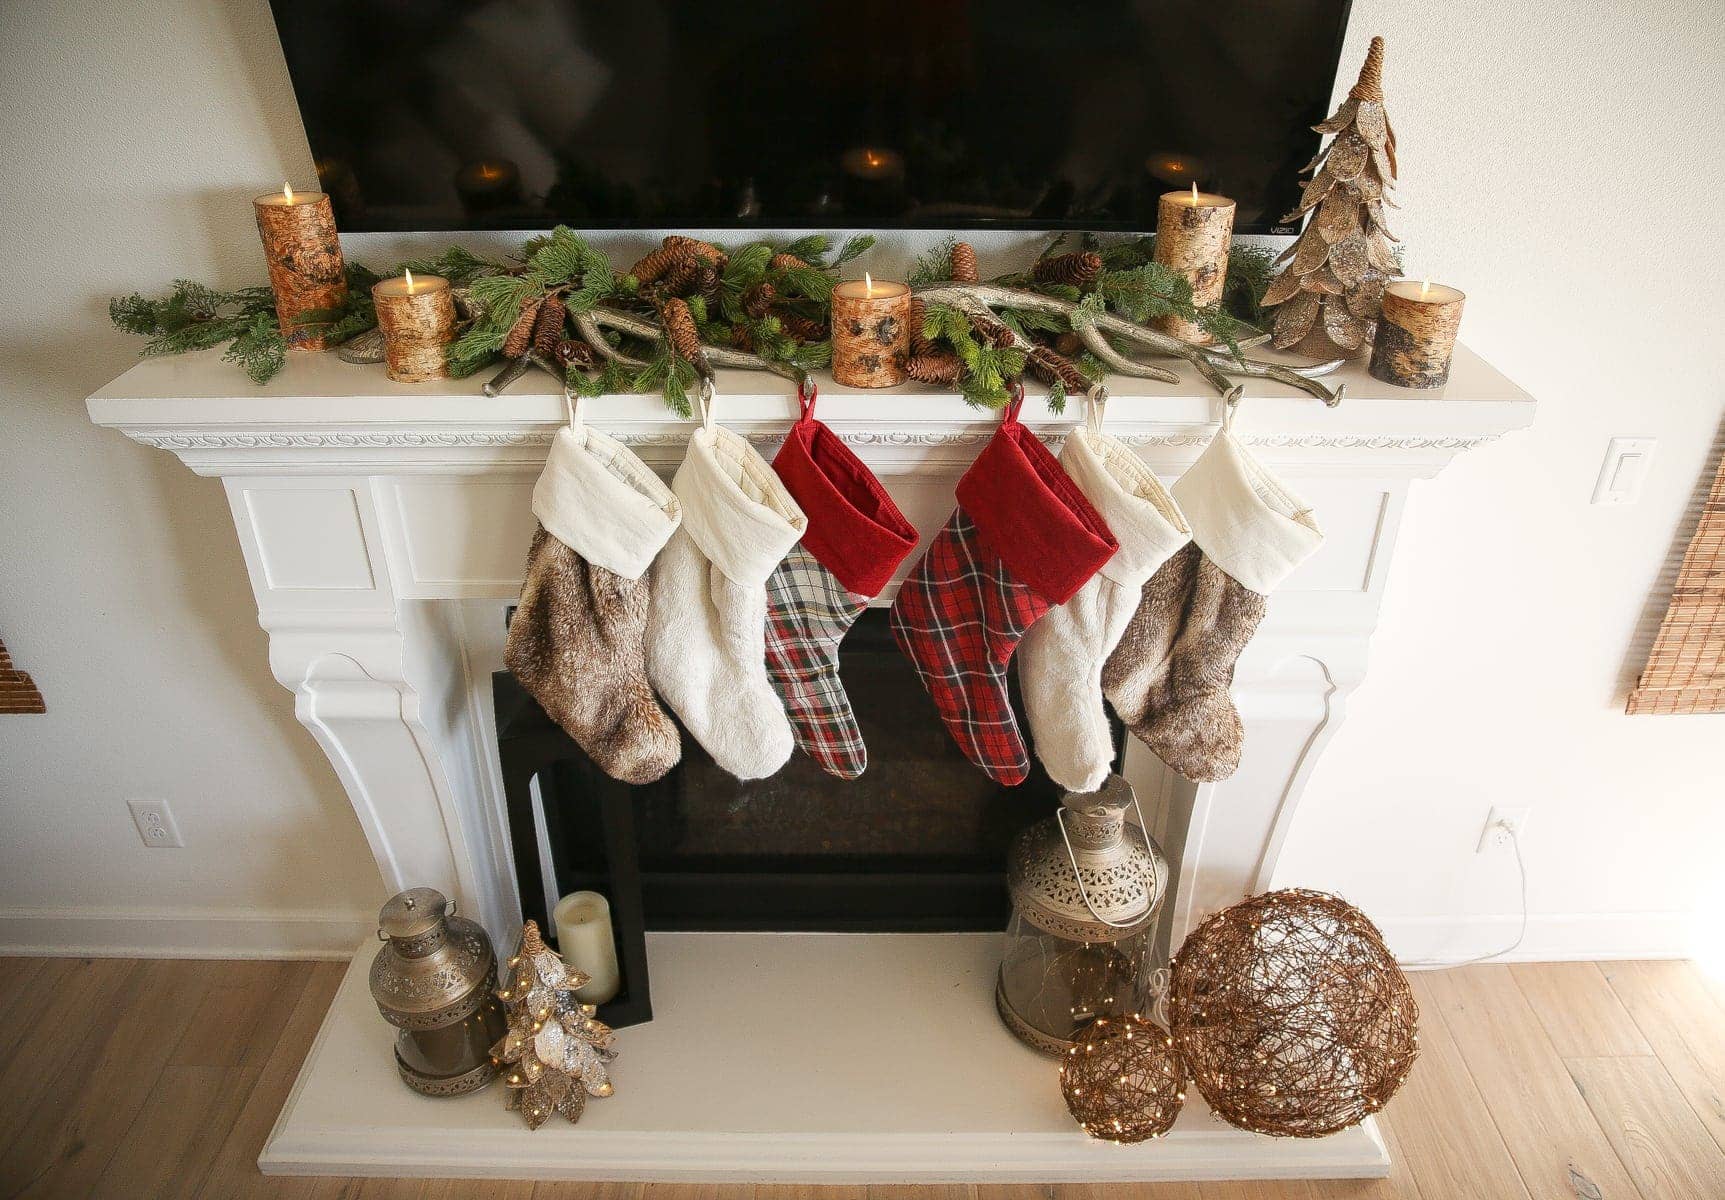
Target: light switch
(1624, 470)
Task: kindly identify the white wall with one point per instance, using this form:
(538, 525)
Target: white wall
(1558, 166)
(133, 136)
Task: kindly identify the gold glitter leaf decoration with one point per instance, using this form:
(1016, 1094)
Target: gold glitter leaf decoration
(1348, 260)
(1281, 288)
(1369, 123)
(1367, 300)
(1342, 118)
(1338, 216)
(1323, 280)
(1294, 319)
(1343, 328)
(558, 1047)
(1348, 157)
(1310, 255)
(1316, 189)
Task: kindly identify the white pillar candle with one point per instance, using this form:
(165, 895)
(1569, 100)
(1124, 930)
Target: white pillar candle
(583, 921)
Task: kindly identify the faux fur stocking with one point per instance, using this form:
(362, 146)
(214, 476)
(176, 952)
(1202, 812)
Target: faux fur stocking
(577, 642)
(1060, 660)
(706, 636)
(1252, 533)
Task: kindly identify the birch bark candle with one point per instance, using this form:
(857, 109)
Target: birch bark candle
(1416, 334)
(583, 921)
(1193, 232)
(417, 319)
(871, 332)
(304, 257)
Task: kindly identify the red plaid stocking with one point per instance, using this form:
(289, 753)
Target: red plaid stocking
(1022, 540)
(855, 540)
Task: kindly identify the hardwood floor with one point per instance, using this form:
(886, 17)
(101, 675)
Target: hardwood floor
(1559, 1081)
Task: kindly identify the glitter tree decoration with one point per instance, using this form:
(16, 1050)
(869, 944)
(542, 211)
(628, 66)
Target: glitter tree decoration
(1329, 296)
(556, 1050)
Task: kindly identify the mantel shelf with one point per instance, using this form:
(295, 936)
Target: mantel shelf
(195, 404)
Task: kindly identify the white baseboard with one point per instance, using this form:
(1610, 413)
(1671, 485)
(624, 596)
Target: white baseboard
(108, 933)
(1551, 937)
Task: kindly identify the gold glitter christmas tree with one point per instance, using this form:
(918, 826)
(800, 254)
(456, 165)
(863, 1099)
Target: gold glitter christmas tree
(555, 1052)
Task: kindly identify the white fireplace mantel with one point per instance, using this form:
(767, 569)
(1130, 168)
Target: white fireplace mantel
(384, 527)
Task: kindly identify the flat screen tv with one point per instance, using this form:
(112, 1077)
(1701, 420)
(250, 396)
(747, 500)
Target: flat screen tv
(912, 114)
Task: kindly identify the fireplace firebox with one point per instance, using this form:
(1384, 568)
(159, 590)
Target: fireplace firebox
(918, 843)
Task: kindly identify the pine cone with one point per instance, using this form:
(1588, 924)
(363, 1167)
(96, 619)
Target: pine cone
(1049, 366)
(683, 276)
(1068, 344)
(995, 333)
(758, 300)
(548, 326)
(680, 327)
(1075, 270)
(781, 261)
(742, 337)
(655, 265)
(802, 328)
(520, 334)
(938, 367)
(699, 249)
(573, 353)
(918, 318)
(964, 264)
(707, 284)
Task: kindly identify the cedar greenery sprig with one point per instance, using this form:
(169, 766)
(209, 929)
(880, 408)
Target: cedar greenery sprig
(194, 316)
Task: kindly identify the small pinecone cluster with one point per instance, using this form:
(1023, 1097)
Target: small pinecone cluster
(539, 327)
(1330, 296)
(681, 266)
(1079, 269)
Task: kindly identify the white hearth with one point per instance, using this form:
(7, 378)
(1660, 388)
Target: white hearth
(384, 527)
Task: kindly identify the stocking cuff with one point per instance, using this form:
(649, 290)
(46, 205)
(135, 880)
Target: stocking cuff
(1030, 514)
(734, 507)
(600, 500)
(1140, 513)
(855, 530)
(1243, 518)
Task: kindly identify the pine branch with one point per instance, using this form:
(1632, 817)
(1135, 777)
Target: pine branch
(935, 266)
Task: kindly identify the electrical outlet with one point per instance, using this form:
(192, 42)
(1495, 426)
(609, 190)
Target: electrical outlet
(155, 822)
(1500, 825)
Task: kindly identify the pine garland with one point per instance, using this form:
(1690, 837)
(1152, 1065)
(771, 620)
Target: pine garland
(774, 300)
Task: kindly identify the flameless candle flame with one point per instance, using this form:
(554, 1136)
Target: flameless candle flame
(1425, 288)
(868, 284)
(1194, 193)
(405, 271)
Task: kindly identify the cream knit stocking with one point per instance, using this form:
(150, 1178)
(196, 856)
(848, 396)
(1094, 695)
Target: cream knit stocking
(706, 651)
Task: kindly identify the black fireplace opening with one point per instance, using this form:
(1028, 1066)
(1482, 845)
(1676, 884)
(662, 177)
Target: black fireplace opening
(917, 843)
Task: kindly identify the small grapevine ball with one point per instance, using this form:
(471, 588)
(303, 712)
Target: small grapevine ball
(1123, 1079)
(1292, 1015)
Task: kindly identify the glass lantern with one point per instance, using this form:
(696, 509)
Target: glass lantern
(1085, 891)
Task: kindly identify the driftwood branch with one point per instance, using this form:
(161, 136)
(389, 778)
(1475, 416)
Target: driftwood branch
(1213, 366)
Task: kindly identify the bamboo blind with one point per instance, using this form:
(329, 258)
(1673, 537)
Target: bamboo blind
(1685, 670)
(18, 692)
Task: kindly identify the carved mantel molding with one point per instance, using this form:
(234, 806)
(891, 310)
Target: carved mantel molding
(374, 519)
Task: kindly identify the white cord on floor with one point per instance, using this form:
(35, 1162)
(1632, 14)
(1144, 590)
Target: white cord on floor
(1437, 964)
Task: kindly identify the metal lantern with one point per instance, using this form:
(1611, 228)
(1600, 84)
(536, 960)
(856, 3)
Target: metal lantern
(435, 980)
(1085, 890)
